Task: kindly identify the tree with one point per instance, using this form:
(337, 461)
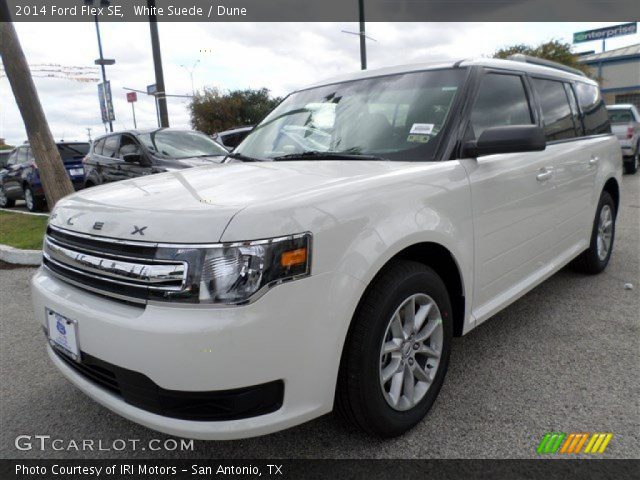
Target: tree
(54, 177)
(214, 111)
(554, 50)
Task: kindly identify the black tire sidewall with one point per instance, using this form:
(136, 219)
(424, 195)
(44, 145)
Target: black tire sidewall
(384, 419)
(593, 258)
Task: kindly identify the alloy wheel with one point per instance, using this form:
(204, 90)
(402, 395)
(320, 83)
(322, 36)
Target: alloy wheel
(410, 351)
(605, 232)
(28, 198)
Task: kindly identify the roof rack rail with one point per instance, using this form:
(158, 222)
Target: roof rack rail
(519, 57)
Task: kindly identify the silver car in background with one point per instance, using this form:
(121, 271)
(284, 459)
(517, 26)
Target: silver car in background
(625, 124)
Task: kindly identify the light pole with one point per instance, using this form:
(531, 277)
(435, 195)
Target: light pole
(190, 72)
(102, 61)
(363, 36)
(157, 64)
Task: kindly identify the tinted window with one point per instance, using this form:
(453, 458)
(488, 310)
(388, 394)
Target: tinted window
(575, 111)
(620, 116)
(111, 146)
(501, 101)
(556, 112)
(128, 146)
(73, 150)
(594, 113)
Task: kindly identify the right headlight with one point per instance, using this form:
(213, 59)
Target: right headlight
(234, 273)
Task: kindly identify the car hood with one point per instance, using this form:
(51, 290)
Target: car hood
(194, 161)
(195, 205)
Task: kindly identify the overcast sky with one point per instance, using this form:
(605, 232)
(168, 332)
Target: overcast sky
(281, 57)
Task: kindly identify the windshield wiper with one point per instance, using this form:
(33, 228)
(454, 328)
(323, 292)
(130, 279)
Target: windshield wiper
(244, 158)
(317, 155)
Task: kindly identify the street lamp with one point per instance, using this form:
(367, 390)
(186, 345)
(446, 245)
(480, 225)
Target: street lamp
(102, 61)
(190, 71)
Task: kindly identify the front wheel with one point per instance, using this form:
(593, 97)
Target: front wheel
(596, 258)
(397, 352)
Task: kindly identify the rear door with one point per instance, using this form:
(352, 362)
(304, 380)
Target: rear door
(13, 176)
(513, 198)
(111, 164)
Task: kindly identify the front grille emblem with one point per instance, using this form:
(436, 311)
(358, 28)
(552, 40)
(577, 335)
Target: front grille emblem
(139, 230)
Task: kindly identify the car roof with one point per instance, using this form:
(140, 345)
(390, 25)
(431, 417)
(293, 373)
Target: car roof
(520, 66)
(142, 131)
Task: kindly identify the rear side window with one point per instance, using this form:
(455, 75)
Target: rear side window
(501, 101)
(594, 112)
(111, 146)
(556, 112)
(70, 151)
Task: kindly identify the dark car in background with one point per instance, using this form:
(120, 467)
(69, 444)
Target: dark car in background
(233, 137)
(20, 180)
(134, 153)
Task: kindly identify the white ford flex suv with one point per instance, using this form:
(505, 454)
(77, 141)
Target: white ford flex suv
(333, 256)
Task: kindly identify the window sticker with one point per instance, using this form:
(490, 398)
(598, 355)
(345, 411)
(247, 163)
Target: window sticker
(421, 128)
(418, 138)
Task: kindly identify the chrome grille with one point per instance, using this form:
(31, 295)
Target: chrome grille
(110, 267)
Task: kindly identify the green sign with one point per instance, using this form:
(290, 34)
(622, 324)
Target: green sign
(606, 32)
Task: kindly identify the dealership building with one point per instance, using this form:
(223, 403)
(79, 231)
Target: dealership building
(619, 73)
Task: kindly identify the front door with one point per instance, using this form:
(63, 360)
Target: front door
(513, 198)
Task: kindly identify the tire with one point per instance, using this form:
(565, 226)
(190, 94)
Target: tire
(631, 167)
(34, 203)
(4, 201)
(591, 261)
(362, 398)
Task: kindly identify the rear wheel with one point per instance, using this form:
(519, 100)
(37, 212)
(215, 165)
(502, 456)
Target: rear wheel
(34, 203)
(596, 258)
(397, 351)
(5, 202)
(631, 166)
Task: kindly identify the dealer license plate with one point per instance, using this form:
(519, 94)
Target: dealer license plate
(63, 334)
(76, 172)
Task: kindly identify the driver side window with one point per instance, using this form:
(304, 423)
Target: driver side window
(501, 101)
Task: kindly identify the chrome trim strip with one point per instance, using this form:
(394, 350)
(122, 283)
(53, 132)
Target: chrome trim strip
(145, 274)
(104, 279)
(98, 291)
(132, 243)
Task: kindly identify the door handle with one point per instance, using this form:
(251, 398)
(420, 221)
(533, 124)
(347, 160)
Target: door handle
(544, 174)
(594, 160)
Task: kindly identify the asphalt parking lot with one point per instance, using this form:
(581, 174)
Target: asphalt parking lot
(566, 357)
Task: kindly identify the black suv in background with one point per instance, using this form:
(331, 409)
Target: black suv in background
(19, 178)
(234, 137)
(134, 153)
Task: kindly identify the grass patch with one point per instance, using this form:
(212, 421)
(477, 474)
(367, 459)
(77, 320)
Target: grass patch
(22, 231)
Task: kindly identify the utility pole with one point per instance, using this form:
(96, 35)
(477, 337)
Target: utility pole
(363, 39)
(157, 64)
(89, 133)
(190, 72)
(54, 177)
(102, 63)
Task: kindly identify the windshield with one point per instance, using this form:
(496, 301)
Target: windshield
(176, 144)
(395, 117)
(620, 116)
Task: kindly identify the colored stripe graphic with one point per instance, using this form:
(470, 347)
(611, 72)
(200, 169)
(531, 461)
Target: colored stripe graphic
(550, 443)
(572, 443)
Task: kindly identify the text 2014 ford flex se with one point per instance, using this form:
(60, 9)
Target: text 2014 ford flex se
(365, 222)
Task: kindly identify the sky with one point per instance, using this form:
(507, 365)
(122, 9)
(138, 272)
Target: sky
(281, 57)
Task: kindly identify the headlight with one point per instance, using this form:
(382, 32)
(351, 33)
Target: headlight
(233, 273)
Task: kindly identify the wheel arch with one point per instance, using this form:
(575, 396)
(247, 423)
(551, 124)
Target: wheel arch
(612, 188)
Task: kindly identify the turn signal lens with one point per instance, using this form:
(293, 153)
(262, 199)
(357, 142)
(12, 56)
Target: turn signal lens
(293, 257)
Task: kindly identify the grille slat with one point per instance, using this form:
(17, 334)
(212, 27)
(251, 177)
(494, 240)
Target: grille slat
(113, 268)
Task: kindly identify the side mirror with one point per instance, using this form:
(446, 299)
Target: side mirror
(132, 158)
(511, 139)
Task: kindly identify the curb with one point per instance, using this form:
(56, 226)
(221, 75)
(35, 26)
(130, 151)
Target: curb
(20, 257)
(24, 213)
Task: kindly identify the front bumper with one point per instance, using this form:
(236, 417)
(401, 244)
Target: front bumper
(294, 334)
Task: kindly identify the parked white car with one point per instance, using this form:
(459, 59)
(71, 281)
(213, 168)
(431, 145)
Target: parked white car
(365, 222)
(625, 124)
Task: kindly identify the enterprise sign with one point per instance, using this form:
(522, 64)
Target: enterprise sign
(606, 32)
